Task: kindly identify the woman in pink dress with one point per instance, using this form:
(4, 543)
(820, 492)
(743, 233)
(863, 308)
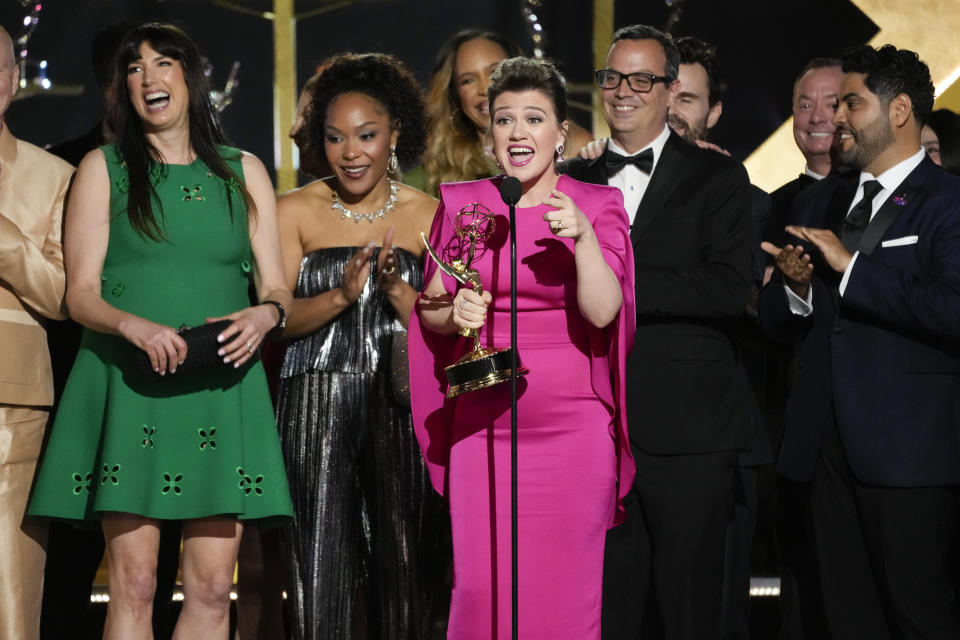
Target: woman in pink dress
(575, 324)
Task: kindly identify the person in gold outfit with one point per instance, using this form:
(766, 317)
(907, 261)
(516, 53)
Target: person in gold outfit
(33, 185)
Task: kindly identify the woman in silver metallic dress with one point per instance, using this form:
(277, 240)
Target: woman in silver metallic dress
(366, 518)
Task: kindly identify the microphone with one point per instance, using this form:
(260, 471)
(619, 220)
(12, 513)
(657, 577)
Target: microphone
(510, 190)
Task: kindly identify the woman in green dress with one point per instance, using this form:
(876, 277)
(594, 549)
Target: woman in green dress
(166, 228)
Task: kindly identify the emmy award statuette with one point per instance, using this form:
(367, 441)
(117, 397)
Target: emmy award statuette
(481, 367)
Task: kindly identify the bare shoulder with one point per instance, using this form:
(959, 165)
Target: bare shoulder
(93, 161)
(308, 197)
(252, 166)
(418, 204)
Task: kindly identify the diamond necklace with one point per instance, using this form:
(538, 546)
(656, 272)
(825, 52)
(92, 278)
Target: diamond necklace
(373, 215)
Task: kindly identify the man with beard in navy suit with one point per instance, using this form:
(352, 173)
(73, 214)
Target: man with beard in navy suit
(871, 287)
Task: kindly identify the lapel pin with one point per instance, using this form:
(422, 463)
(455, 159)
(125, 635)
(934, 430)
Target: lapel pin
(900, 200)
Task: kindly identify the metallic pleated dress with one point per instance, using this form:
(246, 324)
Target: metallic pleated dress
(367, 522)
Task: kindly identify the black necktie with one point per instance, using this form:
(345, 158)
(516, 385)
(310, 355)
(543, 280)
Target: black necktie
(859, 216)
(615, 161)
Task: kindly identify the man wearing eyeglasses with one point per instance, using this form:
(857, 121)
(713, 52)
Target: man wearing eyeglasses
(688, 407)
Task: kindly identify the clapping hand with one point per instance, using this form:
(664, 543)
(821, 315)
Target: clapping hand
(794, 264)
(387, 275)
(835, 254)
(355, 274)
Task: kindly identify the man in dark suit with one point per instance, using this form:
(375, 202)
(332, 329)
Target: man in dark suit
(872, 421)
(693, 112)
(815, 95)
(688, 402)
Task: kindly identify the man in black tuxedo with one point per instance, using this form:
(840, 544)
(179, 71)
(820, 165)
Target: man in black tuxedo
(873, 422)
(693, 112)
(687, 399)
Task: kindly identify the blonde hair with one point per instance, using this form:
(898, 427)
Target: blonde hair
(455, 147)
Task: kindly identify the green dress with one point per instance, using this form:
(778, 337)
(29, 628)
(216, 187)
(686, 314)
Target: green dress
(186, 445)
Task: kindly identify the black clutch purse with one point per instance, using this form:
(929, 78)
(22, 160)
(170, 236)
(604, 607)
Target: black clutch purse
(202, 347)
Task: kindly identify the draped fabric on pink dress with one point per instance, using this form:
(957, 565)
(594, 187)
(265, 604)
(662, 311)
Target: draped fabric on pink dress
(574, 462)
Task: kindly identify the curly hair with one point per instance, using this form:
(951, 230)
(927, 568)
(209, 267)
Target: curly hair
(454, 152)
(378, 76)
(889, 72)
(528, 74)
(695, 51)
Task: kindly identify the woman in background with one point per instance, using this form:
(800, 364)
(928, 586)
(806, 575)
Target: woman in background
(940, 137)
(458, 148)
(366, 521)
(575, 324)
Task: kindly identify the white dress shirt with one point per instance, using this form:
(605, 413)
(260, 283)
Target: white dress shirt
(630, 180)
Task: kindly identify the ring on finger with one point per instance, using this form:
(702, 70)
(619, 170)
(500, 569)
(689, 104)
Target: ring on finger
(249, 346)
(390, 269)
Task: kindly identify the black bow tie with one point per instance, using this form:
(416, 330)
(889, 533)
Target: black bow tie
(615, 161)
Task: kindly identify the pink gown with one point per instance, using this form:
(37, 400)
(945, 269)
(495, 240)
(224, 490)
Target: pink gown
(574, 463)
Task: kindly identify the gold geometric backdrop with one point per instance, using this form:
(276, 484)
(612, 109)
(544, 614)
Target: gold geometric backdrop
(929, 27)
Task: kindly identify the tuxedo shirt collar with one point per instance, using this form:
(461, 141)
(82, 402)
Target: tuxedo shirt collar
(656, 145)
(889, 180)
(813, 174)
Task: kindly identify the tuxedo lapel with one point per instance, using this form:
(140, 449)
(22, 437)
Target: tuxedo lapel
(902, 196)
(839, 204)
(595, 171)
(666, 176)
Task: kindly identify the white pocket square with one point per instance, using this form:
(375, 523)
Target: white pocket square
(899, 242)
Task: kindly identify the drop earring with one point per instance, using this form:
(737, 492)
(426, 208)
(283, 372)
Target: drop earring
(393, 165)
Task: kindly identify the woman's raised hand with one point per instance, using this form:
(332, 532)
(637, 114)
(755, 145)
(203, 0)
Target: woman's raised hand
(165, 348)
(355, 274)
(567, 221)
(387, 275)
(470, 309)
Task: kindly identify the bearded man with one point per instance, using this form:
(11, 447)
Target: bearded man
(870, 287)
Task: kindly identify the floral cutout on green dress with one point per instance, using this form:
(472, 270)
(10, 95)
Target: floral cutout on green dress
(250, 485)
(207, 441)
(82, 483)
(172, 484)
(192, 195)
(110, 473)
(148, 433)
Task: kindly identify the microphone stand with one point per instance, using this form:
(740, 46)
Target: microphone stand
(515, 593)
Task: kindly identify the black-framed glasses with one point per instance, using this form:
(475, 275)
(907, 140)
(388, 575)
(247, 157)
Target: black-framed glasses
(641, 82)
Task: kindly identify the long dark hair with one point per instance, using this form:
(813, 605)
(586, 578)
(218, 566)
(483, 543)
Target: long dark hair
(138, 154)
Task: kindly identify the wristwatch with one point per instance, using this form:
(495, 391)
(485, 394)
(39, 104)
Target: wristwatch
(282, 322)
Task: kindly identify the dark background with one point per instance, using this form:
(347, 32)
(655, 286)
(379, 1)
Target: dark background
(762, 45)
